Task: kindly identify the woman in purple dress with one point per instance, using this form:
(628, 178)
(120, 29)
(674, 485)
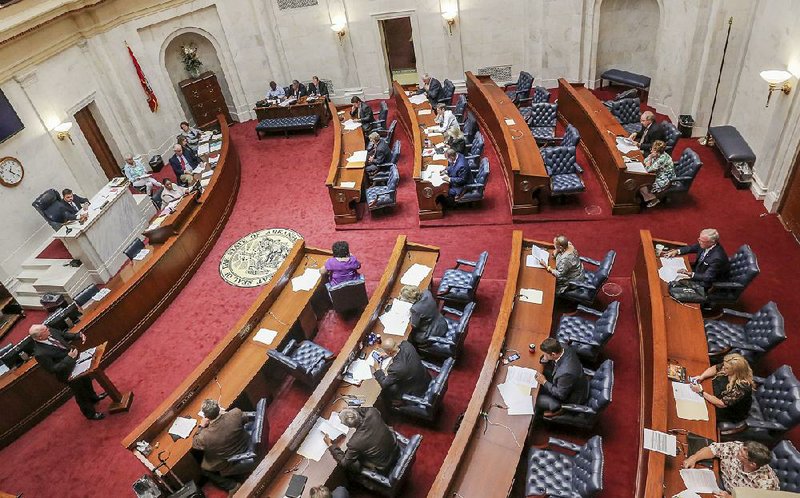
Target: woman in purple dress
(342, 267)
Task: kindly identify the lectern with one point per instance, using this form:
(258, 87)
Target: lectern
(121, 401)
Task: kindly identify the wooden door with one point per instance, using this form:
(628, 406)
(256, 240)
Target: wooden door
(88, 125)
(399, 44)
(789, 210)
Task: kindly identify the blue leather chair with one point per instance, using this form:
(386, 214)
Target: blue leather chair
(459, 109)
(380, 123)
(775, 409)
(384, 169)
(585, 291)
(134, 248)
(671, 134)
(383, 193)
(540, 94)
(449, 345)
(786, 464)
(257, 427)
(628, 112)
(348, 296)
(460, 286)
(570, 138)
(601, 387)
(742, 269)
(43, 202)
(762, 331)
(474, 192)
(388, 134)
(522, 89)
(448, 90)
(86, 295)
(475, 152)
(563, 170)
(588, 336)
(427, 406)
(686, 169)
(390, 485)
(553, 473)
(306, 361)
(542, 121)
(470, 129)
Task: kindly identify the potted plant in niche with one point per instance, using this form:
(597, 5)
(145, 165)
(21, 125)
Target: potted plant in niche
(190, 61)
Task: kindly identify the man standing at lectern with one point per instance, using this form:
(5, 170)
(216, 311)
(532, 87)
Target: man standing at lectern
(54, 353)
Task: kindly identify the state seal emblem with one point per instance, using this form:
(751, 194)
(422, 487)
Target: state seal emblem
(252, 260)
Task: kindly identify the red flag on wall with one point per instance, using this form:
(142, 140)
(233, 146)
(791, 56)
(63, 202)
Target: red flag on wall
(152, 100)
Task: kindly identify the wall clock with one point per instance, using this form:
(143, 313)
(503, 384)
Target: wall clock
(11, 172)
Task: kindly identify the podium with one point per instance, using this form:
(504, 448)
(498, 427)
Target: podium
(121, 401)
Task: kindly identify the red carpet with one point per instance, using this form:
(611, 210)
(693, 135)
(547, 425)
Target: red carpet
(282, 187)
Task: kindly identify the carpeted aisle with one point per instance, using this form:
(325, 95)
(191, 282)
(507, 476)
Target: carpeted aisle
(282, 186)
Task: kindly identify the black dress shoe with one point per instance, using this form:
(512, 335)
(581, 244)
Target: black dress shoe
(100, 397)
(97, 416)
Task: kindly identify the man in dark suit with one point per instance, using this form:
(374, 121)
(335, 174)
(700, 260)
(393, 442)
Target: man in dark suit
(377, 153)
(362, 112)
(402, 371)
(220, 436)
(649, 132)
(431, 88)
(53, 352)
(426, 319)
(458, 173)
(712, 261)
(183, 161)
(297, 90)
(563, 380)
(70, 207)
(372, 445)
(317, 87)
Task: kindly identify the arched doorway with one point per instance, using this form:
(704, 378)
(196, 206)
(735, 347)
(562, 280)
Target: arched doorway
(627, 36)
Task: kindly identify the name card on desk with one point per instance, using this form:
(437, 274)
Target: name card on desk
(265, 336)
(510, 122)
(424, 112)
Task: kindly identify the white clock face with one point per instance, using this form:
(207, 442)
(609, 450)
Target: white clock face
(11, 171)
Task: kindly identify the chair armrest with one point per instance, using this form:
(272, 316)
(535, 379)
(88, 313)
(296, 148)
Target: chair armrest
(524, 100)
(578, 409)
(560, 443)
(589, 372)
(726, 285)
(681, 178)
(374, 476)
(763, 424)
(465, 263)
(248, 455)
(740, 314)
(282, 358)
(452, 311)
(509, 85)
(416, 400)
(580, 285)
(587, 342)
(747, 347)
(590, 261)
(249, 415)
(759, 380)
(289, 346)
(589, 310)
(431, 366)
(441, 340)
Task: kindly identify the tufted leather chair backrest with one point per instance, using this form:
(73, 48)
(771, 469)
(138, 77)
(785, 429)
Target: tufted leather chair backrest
(672, 135)
(559, 160)
(348, 296)
(779, 397)
(44, 201)
(448, 90)
(524, 83)
(743, 266)
(461, 104)
(605, 325)
(470, 128)
(394, 179)
(786, 464)
(408, 450)
(438, 386)
(601, 387)
(688, 164)
(597, 278)
(390, 132)
(383, 113)
(765, 329)
(543, 114)
(86, 295)
(477, 145)
(587, 468)
(483, 171)
(540, 94)
(571, 137)
(626, 111)
(395, 152)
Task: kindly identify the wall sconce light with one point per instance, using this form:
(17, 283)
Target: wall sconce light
(450, 18)
(62, 131)
(339, 29)
(778, 79)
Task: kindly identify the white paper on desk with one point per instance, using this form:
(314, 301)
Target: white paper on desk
(677, 263)
(182, 427)
(512, 393)
(424, 112)
(156, 223)
(429, 152)
(684, 392)
(660, 442)
(415, 275)
(217, 136)
(436, 180)
(347, 184)
(537, 254)
(418, 99)
(214, 159)
(314, 446)
(350, 125)
(688, 404)
(141, 254)
(358, 156)
(359, 370)
(336, 423)
(288, 102)
(687, 494)
(306, 281)
(635, 167)
(85, 355)
(79, 368)
(624, 145)
(395, 321)
(439, 157)
(522, 405)
(700, 480)
(199, 169)
(3, 368)
(265, 336)
(668, 274)
(207, 174)
(204, 182)
(203, 149)
(510, 122)
(534, 296)
(434, 134)
(101, 294)
(521, 375)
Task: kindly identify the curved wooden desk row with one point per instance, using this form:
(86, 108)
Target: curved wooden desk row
(523, 168)
(303, 107)
(271, 477)
(344, 199)
(599, 128)
(231, 370)
(669, 332)
(477, 445)
(28, 394)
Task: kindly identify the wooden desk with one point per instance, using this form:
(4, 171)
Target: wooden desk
(232, 368)
(599, 129)
(345, 200)
(669, 331)
(302, 107)
(523, 168)
(474, 450)
(28, 393)
(272, 476)
(430, 198)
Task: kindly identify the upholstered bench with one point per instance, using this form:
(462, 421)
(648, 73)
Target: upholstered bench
(286, 125)
(732, 146)
(626, 78)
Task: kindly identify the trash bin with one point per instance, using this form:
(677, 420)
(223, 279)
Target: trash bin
(685, 125)
(156, 163)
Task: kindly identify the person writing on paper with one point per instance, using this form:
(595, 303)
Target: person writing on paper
(182, 163)
(342, 267)
(741, 465)
(563, 380)
(297, 90)
(648, 133)
(275, 92)
(712, 261)
(431, 88)
(426, 319)
(220, 435)
(324, 492)
(445, 119)
(70, 207)
(732, 382)
(660, 163)
(568, 263)
(377, 153)
(52, 350)
(458, 174)
(317, 87)
(171, 192)
(454, 139)
(135, 172)
(372, 445)
(401, 371)
(361, 112)
(192, 135)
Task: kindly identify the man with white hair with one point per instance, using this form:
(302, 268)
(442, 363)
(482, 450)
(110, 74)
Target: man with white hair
(431, 88)
(53, 352)
(135, 171)
(402, 371)
(220, 436)
(712, 261)
(372, 445)
(649, 132)
(182, 163)
(377, 153)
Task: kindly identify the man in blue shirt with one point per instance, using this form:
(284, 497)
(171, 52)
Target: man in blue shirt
(135, 172)
(275, 91)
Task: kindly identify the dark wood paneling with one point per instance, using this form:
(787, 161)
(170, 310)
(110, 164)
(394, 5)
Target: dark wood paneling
(97, 142)
(205, 99)
(790, 205)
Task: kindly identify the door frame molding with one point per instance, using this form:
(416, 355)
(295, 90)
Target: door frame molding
(415, 36)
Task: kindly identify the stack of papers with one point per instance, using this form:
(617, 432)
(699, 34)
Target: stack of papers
(689, 404)
(516, 390)
(212, 160)
(141, 254)
(207, 174)
(288, 102)
(418, 99)
(306, 281)
(217, 136)
(182, 427)
(350, 125)
(433, 134)
(358, 371)
(101, 294)
(199, 169)
(537, 254)
(215, 146)
(156, 222)
(265, 336)
(635, 167)
(358, 156)
(428, 152)
(434, 176)
(669, 269)
(204, 182)
(313, 446)
(699, 480)
(534, 296)
(660, 442)
(625, 145)
(3, 368)
(395, 321)
(203, 149)
(415, 275)
(510, 122)
(424, 112)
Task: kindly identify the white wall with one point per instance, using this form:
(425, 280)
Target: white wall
(632, 50)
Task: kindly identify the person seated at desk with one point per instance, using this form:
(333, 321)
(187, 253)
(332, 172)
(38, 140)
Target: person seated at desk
(220, 435)
(563, 380)
(183, 162)
(568, 263)
(712, 261)
(317, 87)
(297, 90)
(275, 92)
(53, 352)
(431, 88)
(361, 112)
(649, 132)
(732, 383)
(660, 163)
(455, 139)
(135, 171)
(372, 445)
(402, 371)
(343, 266)
(171, 192)
(324, 492)
(445, 119)
(70, 207)
(458, 174)
(377, 153)
(426, 319)
(741, 465)
(192, 135)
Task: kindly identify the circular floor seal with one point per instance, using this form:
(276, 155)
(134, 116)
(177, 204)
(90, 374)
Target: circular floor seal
(252, 260)
(593, 210)
(612, 290)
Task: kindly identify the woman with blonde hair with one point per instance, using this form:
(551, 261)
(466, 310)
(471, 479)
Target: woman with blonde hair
(732, 383)
(661, 164)
(426, 319)
(454, 138)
